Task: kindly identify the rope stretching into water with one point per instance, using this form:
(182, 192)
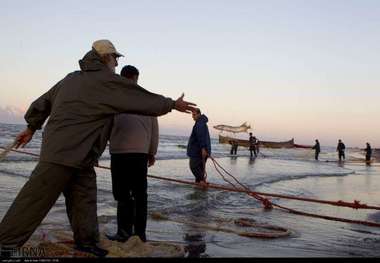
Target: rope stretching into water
(7, 149)
(356, 204)
(257, 195)
(268, 204)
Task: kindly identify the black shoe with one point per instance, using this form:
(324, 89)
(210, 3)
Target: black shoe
(142, 237)
(118, 237)
(92, 249)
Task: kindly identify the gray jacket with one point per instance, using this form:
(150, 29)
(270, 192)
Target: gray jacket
(81, 108)
(133, 133)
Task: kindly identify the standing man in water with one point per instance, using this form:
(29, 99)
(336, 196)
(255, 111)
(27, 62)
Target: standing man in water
(234, 147)
(231, 142)
(340, 149)
(368, 153)
(317, 149)
(199, 146)
(81, 108)
(252, 144)
(133, 146)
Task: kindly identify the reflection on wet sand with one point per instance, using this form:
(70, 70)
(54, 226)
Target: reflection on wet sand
(194, 237)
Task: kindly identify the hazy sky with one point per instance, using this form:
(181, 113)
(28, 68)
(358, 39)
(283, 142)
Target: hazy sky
(302, 69)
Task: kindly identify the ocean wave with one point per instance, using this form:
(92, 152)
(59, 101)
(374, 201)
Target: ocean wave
(301, 176)
(20, 158)
(14, 173)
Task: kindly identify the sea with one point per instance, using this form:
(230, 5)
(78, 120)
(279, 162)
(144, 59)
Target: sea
(280, 171)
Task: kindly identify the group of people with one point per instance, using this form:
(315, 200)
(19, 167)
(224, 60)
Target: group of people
(86, 109)
(253, 146)
(341, 151)
(133, 145)
(234, 147)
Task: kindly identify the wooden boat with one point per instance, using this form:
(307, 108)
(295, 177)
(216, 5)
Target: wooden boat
(265, 144)
(285, 144)
(303, 146)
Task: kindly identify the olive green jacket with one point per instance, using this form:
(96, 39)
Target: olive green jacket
(81, 108)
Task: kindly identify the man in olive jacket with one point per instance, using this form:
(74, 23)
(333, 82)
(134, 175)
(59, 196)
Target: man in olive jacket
(81, 108)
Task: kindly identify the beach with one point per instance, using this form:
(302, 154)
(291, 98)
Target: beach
(281, 171)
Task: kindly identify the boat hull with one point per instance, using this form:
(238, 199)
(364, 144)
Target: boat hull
(265, 144)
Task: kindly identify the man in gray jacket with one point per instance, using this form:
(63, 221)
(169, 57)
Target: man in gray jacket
(81, 108)
(133, 146)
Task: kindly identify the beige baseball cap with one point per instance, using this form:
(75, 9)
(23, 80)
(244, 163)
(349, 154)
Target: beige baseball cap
(104, 46)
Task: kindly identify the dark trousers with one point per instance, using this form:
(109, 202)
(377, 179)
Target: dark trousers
(234, 149)
(316, 155)
(40, 193)
(253, 149)
(129, 187)
(341, 155)
(197, 167)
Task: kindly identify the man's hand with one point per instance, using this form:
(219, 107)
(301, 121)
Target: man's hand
(184, 106)
(204, 153)
(151, 160)
(23, 138)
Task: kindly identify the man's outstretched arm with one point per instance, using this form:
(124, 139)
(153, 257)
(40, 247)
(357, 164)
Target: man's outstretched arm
(125, 96)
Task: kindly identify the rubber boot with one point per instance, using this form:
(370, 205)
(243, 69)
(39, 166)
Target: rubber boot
(124, 222)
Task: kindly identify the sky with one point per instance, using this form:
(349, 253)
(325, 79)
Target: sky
(291, 68)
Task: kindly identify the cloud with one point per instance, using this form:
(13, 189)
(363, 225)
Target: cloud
(11, 114)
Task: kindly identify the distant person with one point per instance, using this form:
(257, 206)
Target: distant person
(317, 149)
(234, 147)
(368, 153)
(133, 146)
(252, 144)
(340, 149)
(199, 146)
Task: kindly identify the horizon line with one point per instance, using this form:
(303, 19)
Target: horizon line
(172, 134)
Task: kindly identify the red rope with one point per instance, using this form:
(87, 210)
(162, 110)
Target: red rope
(244, 191)
(269, 205)
(356, 204)
(28, 153)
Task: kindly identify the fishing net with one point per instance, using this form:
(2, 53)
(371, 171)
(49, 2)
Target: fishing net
(251, 229)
